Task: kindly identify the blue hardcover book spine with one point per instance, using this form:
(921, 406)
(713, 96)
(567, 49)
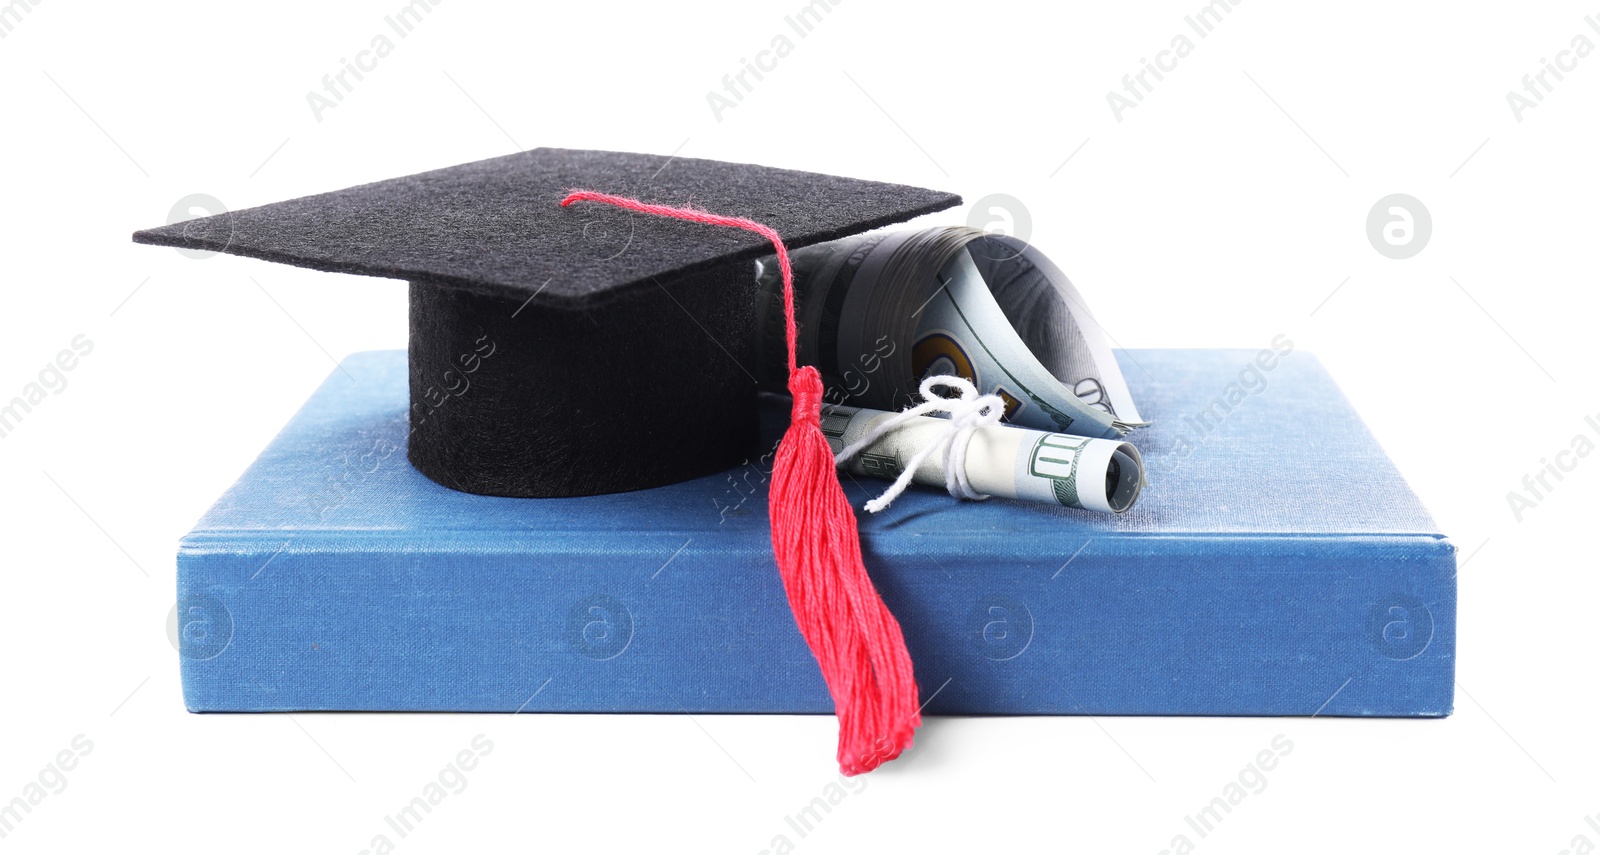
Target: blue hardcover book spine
(1276, 565)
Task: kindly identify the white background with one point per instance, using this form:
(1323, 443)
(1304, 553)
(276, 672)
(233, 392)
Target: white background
(1222, 211)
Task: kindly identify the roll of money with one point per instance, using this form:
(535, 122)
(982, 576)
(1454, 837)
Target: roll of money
(1001, 460)
(879, 312)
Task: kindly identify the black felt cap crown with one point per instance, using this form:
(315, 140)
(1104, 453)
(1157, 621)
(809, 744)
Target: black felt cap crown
(607, 351)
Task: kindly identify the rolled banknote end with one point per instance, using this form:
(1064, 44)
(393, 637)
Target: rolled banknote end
(1124, 475)
(1094, 474)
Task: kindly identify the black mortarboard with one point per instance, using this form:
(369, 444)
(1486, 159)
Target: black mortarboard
(559, 351)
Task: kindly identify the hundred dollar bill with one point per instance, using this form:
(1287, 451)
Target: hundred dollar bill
(1011, 462)
(879, 312)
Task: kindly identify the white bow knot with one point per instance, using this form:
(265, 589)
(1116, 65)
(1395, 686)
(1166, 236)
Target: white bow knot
(968, 412)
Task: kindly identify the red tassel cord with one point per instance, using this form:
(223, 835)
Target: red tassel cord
(856, 640)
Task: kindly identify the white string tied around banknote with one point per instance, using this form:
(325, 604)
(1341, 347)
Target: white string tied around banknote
(968, 412)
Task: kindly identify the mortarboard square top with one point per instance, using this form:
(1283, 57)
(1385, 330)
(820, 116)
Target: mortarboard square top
(493, 227)
(558, 351)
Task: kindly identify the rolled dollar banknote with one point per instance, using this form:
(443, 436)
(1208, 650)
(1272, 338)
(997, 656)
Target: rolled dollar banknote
(879, 312)
(1011, 462)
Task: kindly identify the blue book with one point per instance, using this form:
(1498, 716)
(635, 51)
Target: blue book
(1276, 564)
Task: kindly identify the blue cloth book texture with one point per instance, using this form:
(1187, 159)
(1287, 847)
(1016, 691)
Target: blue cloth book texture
(1277, 564)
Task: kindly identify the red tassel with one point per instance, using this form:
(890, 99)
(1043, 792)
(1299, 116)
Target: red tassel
(854, 637)
(856, 641)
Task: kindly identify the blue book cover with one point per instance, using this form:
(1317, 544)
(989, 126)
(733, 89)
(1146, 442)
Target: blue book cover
(1277, 564)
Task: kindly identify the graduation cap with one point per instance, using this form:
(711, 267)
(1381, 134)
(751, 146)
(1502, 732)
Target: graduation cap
(566, 350)
(616, 350)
